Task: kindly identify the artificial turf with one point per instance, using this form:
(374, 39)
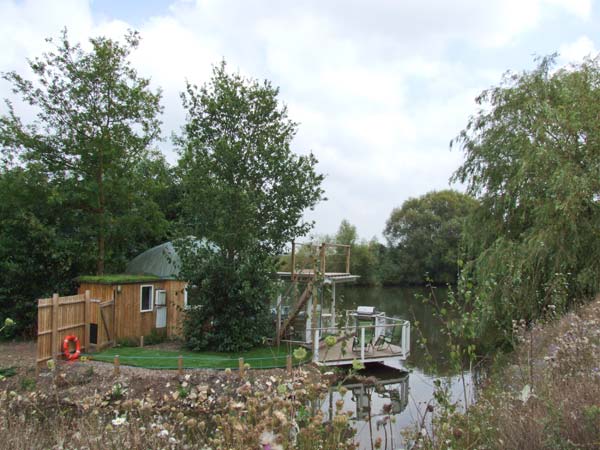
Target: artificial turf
(152, 358)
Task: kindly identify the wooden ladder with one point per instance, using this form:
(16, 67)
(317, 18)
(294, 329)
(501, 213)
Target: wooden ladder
(301, 302)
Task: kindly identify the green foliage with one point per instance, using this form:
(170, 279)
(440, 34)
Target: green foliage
(128, 342)
(532, 160)
(81, 188)
(230, 301)
(243, 186)
(27, 384)
(7, 372)
(155, 337)
(95, 122)
(424, 237)
(36, 255)
(364, 255)
(117, 391)
(245, 192)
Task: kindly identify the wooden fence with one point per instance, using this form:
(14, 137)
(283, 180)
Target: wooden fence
(92, 321)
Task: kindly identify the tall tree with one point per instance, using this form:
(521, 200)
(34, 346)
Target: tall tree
(244, 191)
(425, 234)
(532, 158)
(95, 124)
(242, 183)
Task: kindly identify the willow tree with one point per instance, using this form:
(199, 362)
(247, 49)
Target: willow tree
(533, 159)
(245, 192)
(95, 122)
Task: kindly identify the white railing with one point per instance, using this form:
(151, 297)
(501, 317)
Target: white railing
(385, 328)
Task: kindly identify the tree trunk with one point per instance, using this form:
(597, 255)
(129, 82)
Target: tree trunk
(101, 216)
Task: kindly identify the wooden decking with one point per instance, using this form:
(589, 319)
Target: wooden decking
(338, 355)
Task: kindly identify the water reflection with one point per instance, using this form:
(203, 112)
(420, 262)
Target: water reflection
(397, 401)
(384, 402)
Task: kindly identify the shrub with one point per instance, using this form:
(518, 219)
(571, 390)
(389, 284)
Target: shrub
(230, 301)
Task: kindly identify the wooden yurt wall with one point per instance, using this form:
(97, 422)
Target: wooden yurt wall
(130, 321)
(175, 295)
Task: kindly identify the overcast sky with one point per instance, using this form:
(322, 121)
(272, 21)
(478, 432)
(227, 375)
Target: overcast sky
(379, 87)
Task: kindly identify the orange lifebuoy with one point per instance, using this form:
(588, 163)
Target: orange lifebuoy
(67, 352)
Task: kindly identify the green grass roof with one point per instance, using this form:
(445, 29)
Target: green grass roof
(120, 278)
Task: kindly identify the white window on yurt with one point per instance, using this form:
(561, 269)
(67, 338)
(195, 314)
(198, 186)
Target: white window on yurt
(146, 292)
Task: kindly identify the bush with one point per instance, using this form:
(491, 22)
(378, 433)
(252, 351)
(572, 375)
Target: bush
(128, 342)
(230, 303)
(155, 337)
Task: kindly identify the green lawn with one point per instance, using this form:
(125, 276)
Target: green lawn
(258, 358)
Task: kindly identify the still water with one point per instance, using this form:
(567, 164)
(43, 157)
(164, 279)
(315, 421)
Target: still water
(401, 393)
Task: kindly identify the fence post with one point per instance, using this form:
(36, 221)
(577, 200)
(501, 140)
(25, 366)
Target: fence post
(180, 365)
(87, 319)
(55, 344)
(141, 341)
(117, 370)
(288, 364)
(278, 327)
(241, 367)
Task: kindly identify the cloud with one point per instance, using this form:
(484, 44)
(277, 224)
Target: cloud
(581, 9)
(577, 50)
(379, 89)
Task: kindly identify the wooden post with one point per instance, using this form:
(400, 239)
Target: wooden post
(288, 363)
(241, 367)
(362, 344)
(113, 337)
(278, 326)
(293, 270)
(117, 369)
(180, 365)
(87, 319)
(141, 341)
(348, 260)
(55, 343)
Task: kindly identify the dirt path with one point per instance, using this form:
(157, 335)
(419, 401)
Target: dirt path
(20, 354)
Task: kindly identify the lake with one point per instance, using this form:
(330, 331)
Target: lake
(403, 391)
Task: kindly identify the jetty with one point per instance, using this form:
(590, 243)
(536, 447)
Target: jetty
(305, 312)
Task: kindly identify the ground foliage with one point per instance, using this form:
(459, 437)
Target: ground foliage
(83, 406)
(544, 395)
(532, 161)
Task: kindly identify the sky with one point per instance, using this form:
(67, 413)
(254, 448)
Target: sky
(378, 87)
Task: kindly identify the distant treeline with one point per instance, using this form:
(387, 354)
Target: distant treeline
(423, 243)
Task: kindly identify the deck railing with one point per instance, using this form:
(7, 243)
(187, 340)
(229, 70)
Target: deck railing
(388, 331)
